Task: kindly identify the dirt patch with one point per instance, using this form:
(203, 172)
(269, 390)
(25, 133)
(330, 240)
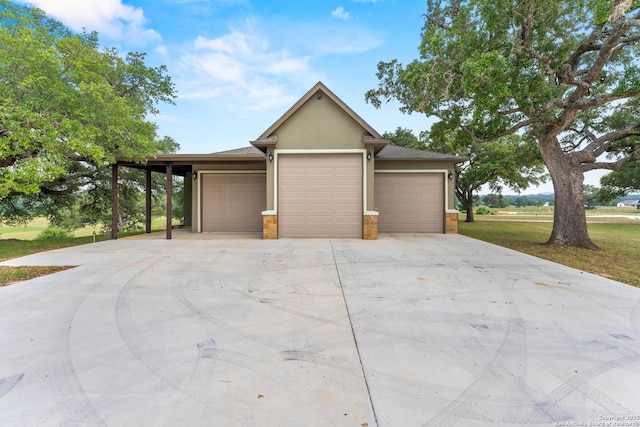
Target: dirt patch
(12, 275)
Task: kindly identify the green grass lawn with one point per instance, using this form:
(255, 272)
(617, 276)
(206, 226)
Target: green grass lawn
(608, 214)
(20, 241)
(32, 229)
(617, 258)
(14, 248)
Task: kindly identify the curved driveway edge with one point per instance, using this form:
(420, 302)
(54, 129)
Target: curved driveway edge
(407, 330)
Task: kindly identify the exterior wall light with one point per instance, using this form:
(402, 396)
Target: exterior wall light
(271, 157)
(195, 176)
(450, 176)
(368, 155)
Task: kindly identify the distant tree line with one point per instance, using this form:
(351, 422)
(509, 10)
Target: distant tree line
(502, 201)
(591, 196)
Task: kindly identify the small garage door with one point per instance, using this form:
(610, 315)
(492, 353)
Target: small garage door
(320, 195)
(410, 202)
(233, 202)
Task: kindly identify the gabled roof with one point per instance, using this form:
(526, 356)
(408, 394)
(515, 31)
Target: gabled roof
(183, 163)
(269, 135)
(244, 151)
(394, 152)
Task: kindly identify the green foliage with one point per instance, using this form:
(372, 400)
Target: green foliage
(403, 137)
(495, 201)
(54, 233)
(483, 210)
(512, 161)
(68, 107)
(620, 183)
(177, 202)
(590, 196)
(565, 74)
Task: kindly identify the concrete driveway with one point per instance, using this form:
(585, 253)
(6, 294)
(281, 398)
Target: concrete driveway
(408, 330)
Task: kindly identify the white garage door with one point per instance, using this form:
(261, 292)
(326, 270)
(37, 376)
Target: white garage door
(233, 202)
(410, 202)
(320, 195)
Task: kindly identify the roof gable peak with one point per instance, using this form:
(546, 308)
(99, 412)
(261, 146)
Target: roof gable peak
(317, 91)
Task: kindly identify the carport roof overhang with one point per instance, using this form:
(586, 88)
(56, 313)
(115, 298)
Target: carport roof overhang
(183, 163)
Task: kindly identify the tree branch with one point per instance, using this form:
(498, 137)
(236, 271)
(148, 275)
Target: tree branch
(614, 166)
(598, 101)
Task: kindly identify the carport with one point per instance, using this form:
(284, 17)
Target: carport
(184, 165)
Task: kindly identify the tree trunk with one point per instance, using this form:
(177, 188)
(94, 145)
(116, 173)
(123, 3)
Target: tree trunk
(569, 217)
(467, 201)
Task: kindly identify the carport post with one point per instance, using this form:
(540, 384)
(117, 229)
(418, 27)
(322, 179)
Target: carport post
(169, 197)
(114, 201)
(147, 212)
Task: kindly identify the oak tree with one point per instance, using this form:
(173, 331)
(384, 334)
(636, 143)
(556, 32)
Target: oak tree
(566, 73)
(67, 107)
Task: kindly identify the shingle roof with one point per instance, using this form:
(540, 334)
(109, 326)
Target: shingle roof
(394, 152)
(244, 151)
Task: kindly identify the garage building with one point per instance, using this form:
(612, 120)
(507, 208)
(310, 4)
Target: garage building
(319, 171)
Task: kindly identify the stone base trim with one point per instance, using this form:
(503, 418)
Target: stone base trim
(269, 227)
(451, 223)
(370, 227)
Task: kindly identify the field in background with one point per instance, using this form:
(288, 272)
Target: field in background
(599, 214)
(32, 229)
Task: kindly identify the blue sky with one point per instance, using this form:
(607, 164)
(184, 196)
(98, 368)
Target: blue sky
(238, 65)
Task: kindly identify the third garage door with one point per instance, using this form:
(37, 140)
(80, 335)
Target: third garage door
(320, 195)
(410, 202)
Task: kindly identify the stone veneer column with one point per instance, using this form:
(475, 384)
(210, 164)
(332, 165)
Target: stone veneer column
(451, 223)
(269, 227)
(370, 227)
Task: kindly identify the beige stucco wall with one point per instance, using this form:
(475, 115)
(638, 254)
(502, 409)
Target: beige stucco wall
(320, 124)
(371, 164)
(423, 165)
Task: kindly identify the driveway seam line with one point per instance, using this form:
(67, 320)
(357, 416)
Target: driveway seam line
(353, 334)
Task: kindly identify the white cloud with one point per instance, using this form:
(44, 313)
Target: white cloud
(340, 13)
(243, 67)
(251, 68)
(110, 18)
(162, 50)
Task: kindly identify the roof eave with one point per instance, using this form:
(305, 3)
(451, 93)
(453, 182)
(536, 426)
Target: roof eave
(455, 160)
(190, 158)
(376, 143)
(263, 144)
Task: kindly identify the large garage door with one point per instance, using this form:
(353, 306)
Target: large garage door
(320, 195)
(410, 202)
(233, 202)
